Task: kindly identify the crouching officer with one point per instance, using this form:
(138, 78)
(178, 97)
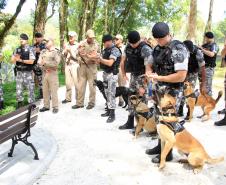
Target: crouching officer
(109, 62)
(24, 58)
(49, 60)
(170, 63)
(1, 90)
(38, 47)
(196, 65)
(134, 58)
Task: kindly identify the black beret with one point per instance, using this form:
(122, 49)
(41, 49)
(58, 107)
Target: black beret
(160, 30)
(24, 36)
(209, 35)
(106, 38)
(38, 35)
(133, 37)
(189, 45)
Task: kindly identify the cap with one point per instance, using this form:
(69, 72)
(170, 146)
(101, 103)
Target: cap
(189, 45)
(160, 30)
(133, 37)
(106, 38)
(209, 35)
(118, 36)
(24, 36)
(38, 35)
(72, 33)
(90, 34)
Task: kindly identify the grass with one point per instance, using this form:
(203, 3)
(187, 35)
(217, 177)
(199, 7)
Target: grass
(10, 95)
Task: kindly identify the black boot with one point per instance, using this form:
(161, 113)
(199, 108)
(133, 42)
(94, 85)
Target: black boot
(221, 122)
(1, 105)
(106, 114)
(40, 96)
(19, 104)
(169, 157)
(129, 124)
(181, 111)
(111, 117)
(155, 150)
(223, 111)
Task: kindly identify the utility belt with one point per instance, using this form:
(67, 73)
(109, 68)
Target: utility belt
(23, 70)
(50, 70)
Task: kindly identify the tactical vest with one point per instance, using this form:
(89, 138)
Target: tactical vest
(163, 64)
(41, 46)
(24, 53)
(209, 61)
(193, 65)
(134, 61)
(110, 69)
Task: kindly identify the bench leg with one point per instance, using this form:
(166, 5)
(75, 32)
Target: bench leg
(14, 142)
(32, 147)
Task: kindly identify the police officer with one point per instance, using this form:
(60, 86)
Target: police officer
(38, 47)
(121, 81)
(49, 60)
(71, 66)
(1, 90)
(169, 64)
(87, 70)
(196, 64)
(210, 50)
(109, 62)
(223, 121)
(24, 58)
(136, 55)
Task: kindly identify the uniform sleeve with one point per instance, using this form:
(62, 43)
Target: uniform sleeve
(57, 57)
(214, 48)
(180, 58)
(40, 57)
(146, 53)
(200, 58)
(74, 51)
(31, 53)
(115, 53)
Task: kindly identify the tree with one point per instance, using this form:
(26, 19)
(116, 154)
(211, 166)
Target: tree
(209, 21)
(192, 20)
(8, 23)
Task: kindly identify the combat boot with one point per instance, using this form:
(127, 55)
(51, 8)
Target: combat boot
(181, 111)
(155, 150)
(169, 157)
(1, 105)
(106, 114)
(221, 122)
(111, 117)
(129, 124)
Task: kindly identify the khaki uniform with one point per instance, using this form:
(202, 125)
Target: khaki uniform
(87, 72)
(71, 71)
(51, 59)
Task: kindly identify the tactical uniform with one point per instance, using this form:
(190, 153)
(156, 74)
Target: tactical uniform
(51, 60)
(110, 78)
(136, 58)
(71, 71)
(24, 77)
(37, 70)
(210, 64)
(87, 72)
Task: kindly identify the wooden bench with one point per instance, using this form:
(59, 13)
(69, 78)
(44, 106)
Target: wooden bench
(16, 126)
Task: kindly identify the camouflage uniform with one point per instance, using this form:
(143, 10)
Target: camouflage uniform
(24, 77)
(111, 80)
(51, 59)
(210, 63)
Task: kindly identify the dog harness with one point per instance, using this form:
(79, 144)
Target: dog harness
(176, 127)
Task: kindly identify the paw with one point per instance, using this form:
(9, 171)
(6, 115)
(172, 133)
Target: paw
(197, 170)
(161, 166)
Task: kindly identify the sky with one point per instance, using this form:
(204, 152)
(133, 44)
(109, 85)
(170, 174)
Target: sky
(219, 9)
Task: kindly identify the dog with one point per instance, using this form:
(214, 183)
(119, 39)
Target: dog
(144, 116)
(120, 91)
(204, 100)
(182, 140)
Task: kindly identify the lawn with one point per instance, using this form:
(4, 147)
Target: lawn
(10, 95)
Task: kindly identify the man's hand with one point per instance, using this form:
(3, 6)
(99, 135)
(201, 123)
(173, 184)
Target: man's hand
(141, 91)
(37, 50)
(154, 77)
(16, 57)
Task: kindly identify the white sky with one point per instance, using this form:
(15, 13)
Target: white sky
(219, 9)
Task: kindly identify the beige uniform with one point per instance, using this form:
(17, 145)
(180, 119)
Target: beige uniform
(87, 72)
(71, 71)
(51, 60)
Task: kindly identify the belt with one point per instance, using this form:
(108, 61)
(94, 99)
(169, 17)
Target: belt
(50, 70)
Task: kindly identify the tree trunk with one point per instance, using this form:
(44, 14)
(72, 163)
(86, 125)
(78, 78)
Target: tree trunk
(106, 17)
(192, 21)
(209, 22)
(40, 16)
(84, 22)
(10, 22)
(63, 9)
(112, 29)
